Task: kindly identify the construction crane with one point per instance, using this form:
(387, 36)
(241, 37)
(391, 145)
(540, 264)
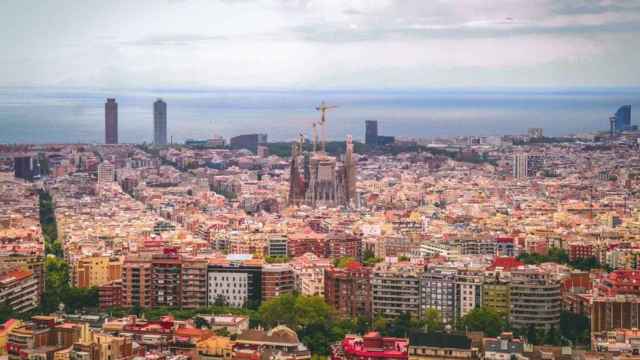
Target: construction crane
(323, 108)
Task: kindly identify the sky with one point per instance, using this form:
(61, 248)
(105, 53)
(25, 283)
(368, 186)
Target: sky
(313, 44)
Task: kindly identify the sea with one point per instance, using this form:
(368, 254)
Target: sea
(76, 115)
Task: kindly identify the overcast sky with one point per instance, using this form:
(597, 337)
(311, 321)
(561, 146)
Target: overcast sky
(320, 44)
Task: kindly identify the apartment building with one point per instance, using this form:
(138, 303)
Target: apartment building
(308, 273)
(342, 244)
(34, 263)
(237, 281)
(19, 289)
(439, 291)
(137, 282)
(277, 279)
(95, 271)
(395, 289)
(194, 284)
(348, 289)
(535, 298)
(468, 290)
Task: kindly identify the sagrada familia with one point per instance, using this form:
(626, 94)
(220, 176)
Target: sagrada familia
(319, 180)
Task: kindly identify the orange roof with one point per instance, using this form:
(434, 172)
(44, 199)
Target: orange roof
(15, 275)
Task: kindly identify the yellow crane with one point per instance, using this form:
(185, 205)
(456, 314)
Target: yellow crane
(323, 108)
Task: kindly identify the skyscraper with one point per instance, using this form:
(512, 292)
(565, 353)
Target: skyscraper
(111, 121)
(371, 132)
(160, 122)
(623, 118)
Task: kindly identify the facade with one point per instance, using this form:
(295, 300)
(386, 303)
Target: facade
(236, 283)
(341, 244)
(166, 280)
(41, 338)
(440, 346)
(248, 141)
(535, 299)
(371, 132)
(623, 118)
(526, 165)
(95, 271)
(277, 246)
(159, 122)
(326, 182)
(395, 289)
(439, 291)
(110, 295)
(615, 312)
(194, 284)
(137, 282)
(277, 279)
(348, 289)
(308, 273)
(25, 167)
(111, 121)
(35, 264)
(106, 173)
(469, 290)
(520, 170)
(496, 295)
(19, 290)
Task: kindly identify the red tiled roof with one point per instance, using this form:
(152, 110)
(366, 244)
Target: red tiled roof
(506, 263)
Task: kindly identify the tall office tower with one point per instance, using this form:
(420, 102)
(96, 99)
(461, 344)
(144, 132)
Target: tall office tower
(111, 121)
(160, 122)
(371, 132)
(623, 118)
(23, 167)
(520, 165)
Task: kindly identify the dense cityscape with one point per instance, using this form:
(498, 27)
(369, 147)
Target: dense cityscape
(498, 247)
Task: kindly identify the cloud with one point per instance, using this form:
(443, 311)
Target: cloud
(174, 40)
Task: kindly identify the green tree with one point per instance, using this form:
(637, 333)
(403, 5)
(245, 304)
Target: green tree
(278, 311)
(433, 320)
(6, 312)
(532, 335)
(483, 319)
(575, 328)
(552, 337)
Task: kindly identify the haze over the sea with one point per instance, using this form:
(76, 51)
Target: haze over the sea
(67, 115)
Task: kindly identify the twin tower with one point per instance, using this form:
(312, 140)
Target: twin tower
(159, 122)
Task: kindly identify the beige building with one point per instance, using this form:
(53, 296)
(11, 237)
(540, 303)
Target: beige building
(96, 271)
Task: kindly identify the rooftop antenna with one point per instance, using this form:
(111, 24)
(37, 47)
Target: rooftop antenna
(323, 108)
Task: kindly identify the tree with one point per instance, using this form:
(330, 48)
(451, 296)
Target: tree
(483, 319)
(278, 311)
(552, 337)
(532, 335)
(575, 328)
(6, 312)
(401, 325)
(433, 320)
